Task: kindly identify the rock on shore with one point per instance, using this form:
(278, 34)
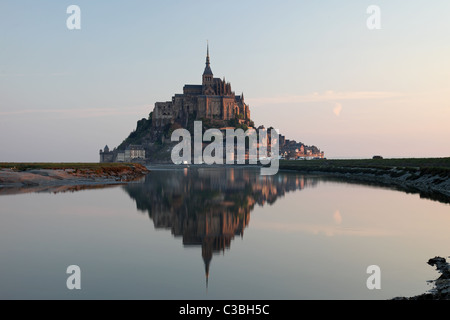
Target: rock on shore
(441, 289)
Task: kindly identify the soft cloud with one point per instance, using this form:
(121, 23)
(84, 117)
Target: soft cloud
(327, 96)
(80, 113)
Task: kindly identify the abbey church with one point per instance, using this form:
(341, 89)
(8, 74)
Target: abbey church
(212, 102)
(213, 99)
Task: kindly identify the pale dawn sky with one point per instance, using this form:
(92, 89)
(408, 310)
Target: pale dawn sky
(312, 69)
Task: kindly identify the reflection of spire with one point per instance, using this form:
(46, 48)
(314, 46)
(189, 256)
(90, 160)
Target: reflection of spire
(207, 272)
(207, 253)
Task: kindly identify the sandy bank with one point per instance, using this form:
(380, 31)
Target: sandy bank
(13, 180)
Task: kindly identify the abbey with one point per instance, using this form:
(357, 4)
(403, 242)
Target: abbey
(212, 103)
(213, 99)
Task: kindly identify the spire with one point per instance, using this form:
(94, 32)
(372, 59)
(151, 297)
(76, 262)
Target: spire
(207, 52)
(208, 70)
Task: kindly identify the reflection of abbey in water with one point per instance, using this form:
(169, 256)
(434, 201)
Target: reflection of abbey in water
(208, 207)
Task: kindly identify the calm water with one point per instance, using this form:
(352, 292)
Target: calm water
(216, 233)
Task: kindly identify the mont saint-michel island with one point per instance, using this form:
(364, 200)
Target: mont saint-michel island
(216, 106)
(301, 153)
(212, 102)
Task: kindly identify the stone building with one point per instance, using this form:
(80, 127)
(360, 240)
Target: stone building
(132, 153)
(106, 155)
(213, 99)
(293, 150)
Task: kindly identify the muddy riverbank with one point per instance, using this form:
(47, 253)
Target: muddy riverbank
(17, 178)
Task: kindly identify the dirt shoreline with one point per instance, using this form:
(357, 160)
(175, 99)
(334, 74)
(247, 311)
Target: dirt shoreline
(66, 178)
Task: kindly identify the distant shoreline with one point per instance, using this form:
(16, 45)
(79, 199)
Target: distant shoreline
(59, 177)
(430, 177)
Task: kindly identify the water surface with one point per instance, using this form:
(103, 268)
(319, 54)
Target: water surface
(220, 233)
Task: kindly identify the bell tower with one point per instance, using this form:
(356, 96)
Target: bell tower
(207, 74)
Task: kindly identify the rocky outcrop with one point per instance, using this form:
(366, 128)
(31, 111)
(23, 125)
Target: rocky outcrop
(432, 184)
(441, 289)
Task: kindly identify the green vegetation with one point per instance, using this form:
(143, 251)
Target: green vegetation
(233, 122)
(393, 167)
(142, 128)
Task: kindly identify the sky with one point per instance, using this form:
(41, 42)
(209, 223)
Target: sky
(312, 69)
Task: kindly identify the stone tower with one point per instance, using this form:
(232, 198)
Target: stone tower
(212, 99)
(208, 77)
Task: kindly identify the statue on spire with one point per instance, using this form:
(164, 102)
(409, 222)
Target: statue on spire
(207, 52)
